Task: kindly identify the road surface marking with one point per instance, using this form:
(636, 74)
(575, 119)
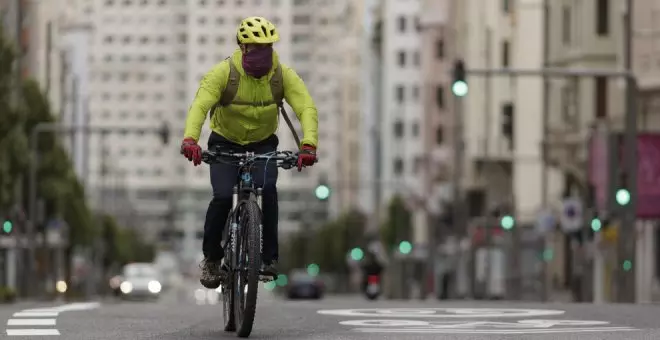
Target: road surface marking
(32, 332)
(482, 327)
(452, 313)
(498, 331)
(35, 314)
(42, 317)
(31, 322)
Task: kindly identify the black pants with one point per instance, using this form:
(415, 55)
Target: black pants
(223, 179)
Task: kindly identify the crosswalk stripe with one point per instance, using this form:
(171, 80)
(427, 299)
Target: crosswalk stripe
(31, 322)
(32, 332)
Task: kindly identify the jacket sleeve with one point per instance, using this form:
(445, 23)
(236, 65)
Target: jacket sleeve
(297, 95)
(210, 88)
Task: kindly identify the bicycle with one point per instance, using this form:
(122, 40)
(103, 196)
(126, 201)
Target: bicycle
(243, 237)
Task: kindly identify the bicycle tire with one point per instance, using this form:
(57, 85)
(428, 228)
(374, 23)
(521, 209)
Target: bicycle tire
(250, 245)
(228, 300)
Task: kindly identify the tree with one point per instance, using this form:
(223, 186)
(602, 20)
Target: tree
(13, 141)
(398, 226)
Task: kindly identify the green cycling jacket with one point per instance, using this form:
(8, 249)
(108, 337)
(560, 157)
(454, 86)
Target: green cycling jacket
(244, 124)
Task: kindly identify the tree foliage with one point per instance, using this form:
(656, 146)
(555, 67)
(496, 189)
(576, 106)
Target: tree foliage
(398, 226)
(57, 185)
(123, 245)
(328, 245)
(13, 140)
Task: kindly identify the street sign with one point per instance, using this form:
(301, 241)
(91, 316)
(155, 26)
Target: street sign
(571, 216)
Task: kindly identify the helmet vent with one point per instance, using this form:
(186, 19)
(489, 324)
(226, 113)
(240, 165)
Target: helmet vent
(263, 29)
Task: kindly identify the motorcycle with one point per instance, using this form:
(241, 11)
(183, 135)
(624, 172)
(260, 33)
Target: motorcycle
(372, 290)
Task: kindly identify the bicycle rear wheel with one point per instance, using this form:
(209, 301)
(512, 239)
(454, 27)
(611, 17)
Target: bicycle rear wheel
(248, 261)
(228, 301)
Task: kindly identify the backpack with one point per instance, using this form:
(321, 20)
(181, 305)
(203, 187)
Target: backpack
(276, 87)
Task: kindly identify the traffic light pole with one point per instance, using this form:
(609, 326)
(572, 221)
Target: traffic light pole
(626, 240)
(31, 225)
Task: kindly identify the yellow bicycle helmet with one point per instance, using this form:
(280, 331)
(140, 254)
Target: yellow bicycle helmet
(257, 30)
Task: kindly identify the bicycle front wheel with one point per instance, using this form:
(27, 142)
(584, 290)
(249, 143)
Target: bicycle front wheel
(248, 257)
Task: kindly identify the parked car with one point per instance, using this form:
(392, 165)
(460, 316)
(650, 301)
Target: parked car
(304, 286)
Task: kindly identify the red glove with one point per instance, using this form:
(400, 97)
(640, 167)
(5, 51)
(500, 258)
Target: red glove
(306, 156)
(192, 151)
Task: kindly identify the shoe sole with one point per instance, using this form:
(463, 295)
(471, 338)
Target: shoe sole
(267, 277)
(214, 284)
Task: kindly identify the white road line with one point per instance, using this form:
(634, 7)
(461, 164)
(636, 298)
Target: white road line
(30, 332)
(31, 322)
(35, 314)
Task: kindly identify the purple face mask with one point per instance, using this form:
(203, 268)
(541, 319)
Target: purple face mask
(258, 61)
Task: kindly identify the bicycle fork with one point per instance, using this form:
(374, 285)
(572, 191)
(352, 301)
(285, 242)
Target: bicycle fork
(234, 225)
(261, 232)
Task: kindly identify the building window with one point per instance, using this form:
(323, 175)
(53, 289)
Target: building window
(400, 94)
(302, 20)
(439, 135)
(398, 167)
(566, 25)
(506, 6)
(440, 49)
(401, 57)
(505, 53)
(398, 129)
(415, 92)
(415, 129)
(416, 58)
(600, 97)
(440, 97)
(603, 17)
(402, 24)
(507, 123)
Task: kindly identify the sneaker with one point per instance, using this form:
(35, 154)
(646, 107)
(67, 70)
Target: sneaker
(213, 274)
(268, 271)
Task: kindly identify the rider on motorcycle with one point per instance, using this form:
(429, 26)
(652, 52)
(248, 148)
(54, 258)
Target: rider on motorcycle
(248, 123)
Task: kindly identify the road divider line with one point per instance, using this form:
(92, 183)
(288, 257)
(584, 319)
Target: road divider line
(32, 332)
(31, 322)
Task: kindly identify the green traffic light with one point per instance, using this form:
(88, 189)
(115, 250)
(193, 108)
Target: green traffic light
(313, 269)
(596, 224)
(7, 227)
(405, 247)
(459, 88)
(322, 192)
(507, 222)
(627, 265)
(357, 254)
(622, 196)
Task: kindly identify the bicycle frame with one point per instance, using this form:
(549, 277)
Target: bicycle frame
(243, 191)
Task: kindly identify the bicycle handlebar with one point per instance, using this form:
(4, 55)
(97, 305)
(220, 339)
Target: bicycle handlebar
(284, 159)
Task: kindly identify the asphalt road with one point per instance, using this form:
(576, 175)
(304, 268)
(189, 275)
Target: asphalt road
(181, 317)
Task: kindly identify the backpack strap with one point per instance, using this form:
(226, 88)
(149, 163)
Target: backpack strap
(277, 88)
(231, 88)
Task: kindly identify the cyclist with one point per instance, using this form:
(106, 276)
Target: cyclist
(246, 124)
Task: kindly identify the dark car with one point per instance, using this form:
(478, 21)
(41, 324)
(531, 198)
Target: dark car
(304, 286)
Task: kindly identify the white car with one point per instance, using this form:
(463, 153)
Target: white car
(140, 281)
